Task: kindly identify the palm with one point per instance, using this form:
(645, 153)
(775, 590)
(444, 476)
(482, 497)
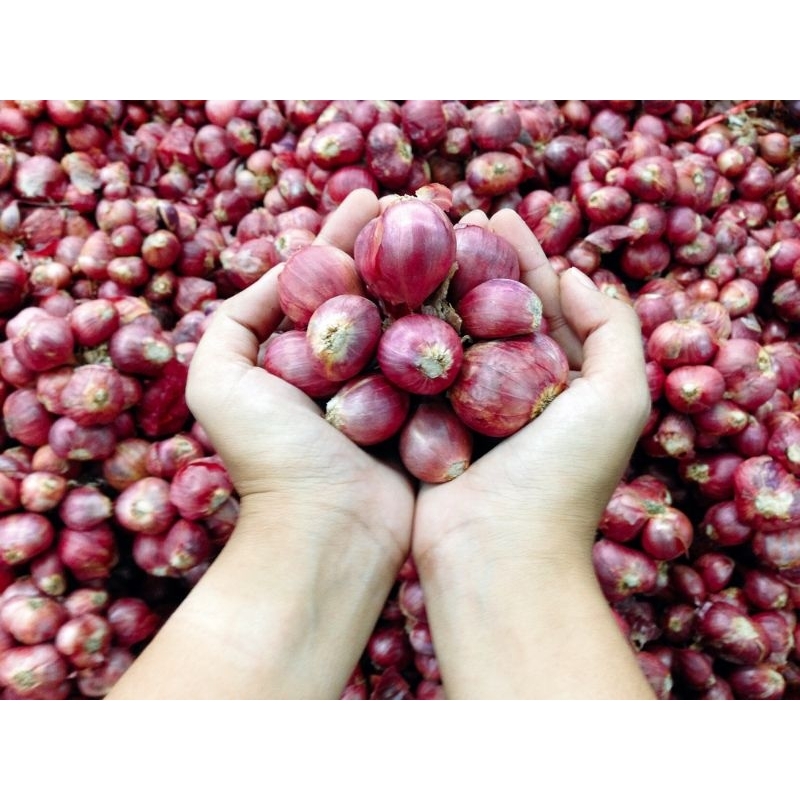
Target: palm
(277, 427)
(541, 471)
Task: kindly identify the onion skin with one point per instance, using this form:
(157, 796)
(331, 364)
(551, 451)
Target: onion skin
(288, 356)
(767, 496)
(24, 536)
(499, 308)
(481, 255)
(406, 253)
(312, 275)
(368, 409)
(434, 445)
(342, 335)
(421, 354)
(504, 384)
(732, 635)
(623, 571)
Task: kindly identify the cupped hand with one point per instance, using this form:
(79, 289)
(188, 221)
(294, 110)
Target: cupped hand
(273, 439)
(541, 492)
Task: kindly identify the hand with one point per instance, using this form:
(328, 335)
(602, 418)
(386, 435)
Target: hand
(504, 550)
(272, 437)
(287, 607)
(559, 470)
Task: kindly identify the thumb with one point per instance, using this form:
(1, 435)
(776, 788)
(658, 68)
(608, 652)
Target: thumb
(611, 335)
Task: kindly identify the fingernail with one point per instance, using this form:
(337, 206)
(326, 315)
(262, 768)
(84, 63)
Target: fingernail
(582, 277)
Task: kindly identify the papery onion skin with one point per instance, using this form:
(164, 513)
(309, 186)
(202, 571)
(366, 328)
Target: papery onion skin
(420, 353)
(343, 334)
(368, 409)
(504, 384)
(499, 308)
(434, 445)
(406, 253)
(312, 275)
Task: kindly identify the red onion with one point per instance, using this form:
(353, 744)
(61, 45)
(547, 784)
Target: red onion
(434, 445)
(85, 600)
(423, 121)
(26, 419)
(667, 535)
(288, 355)
(199, 488)
(494, 173)
(489, 402)
(313, 275)
(146, 506)
(499, 308)
(681, 342)
(32, 620)
(127, 463)
(186, 545)
(481, 255)
(733, 636)
(406, 253)
(29, 669)
(758, 682)
(97, 682)
(48, 573)
(77, 442)
(389, 154)
(767, 496)
(88, 554)
(712, 474)
(132, 621)
(555, 223)
(419, 353)
(623, 571)
(343, 335)
(93, 395)
(139, 351)
(84, 507)
(24, 536)
(85, 640)
(368, 409)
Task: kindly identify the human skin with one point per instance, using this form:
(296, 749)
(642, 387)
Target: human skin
(503, 551)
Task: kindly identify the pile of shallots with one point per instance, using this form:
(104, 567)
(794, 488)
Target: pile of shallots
(427, 335)
(123, 224)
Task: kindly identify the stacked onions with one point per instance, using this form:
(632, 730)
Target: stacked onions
(124, 223)
(392, 351)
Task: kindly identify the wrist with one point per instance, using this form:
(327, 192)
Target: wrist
(507, 626)
(285, 611)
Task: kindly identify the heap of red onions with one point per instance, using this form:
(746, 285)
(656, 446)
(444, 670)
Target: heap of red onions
(388, 338)
(123, 224)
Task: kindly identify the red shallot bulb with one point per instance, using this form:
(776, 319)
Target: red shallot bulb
(368, 409)
(504, 384)
(24, 536)
(499, 308)
(28, 669)
(343, 334)
(420, 354)
(85, 640)
(435, 446)
(312, 275)
(288, 356)
(200, 487)
(481, 255)
(404, 254)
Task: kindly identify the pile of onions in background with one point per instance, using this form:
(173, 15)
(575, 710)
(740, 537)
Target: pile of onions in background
(123, 225)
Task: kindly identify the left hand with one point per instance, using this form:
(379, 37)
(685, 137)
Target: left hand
(271, 436)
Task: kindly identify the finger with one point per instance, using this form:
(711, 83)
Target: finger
(476, 217)
(344, 223)
(229, 346)
(613, 354)
(536, 272)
